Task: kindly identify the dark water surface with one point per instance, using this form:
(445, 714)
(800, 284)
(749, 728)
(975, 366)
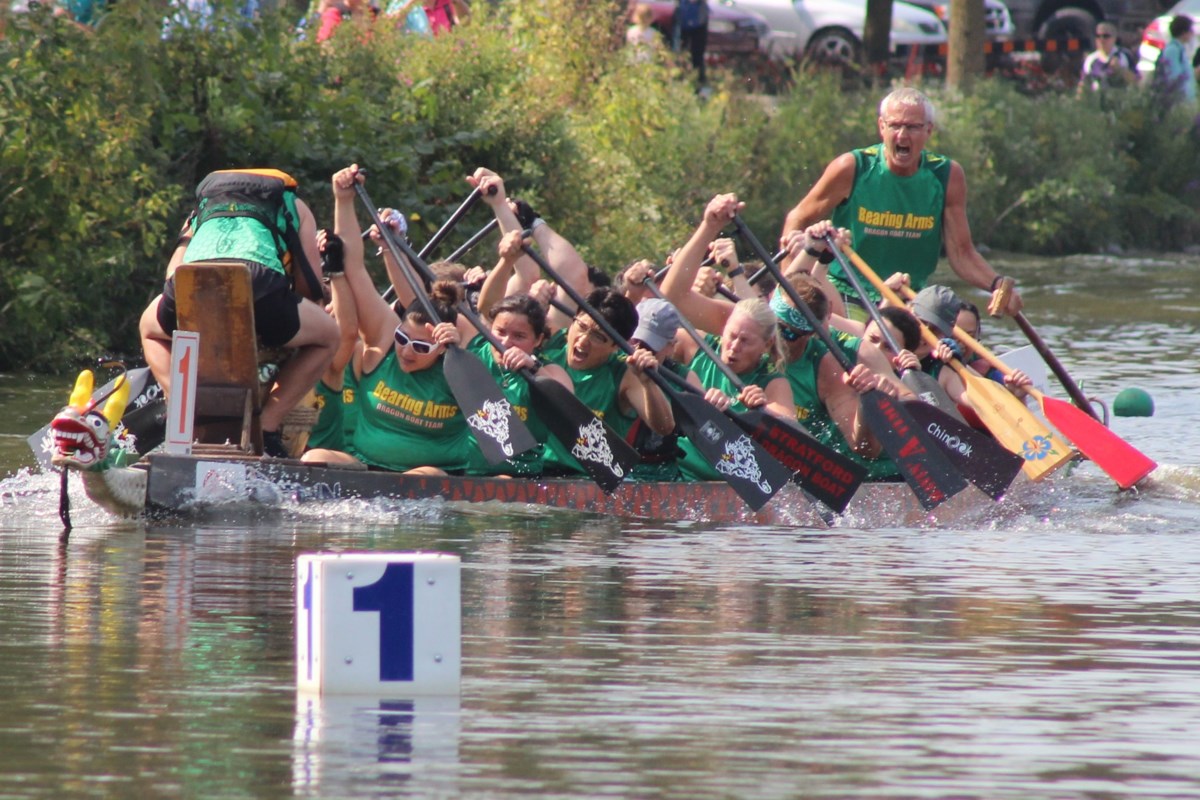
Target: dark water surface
(1054, 653)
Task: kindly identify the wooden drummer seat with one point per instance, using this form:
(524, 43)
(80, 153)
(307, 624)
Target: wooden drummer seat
(216, 300)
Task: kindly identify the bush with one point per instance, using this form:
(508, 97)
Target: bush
(105, 135)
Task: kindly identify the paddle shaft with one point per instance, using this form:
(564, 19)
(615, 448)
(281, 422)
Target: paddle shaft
(1003, 414)
(926, 470)
(441, 232)
(1060, 372)
(755, 485)
(924, 386)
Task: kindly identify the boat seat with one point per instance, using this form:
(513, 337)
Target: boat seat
(216, 300)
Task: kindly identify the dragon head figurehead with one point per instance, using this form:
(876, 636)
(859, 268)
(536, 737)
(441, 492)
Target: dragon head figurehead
(81, 430)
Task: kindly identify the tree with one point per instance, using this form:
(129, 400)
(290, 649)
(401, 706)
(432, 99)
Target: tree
(968, 34)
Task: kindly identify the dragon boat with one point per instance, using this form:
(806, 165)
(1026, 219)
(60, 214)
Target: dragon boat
(113, 438)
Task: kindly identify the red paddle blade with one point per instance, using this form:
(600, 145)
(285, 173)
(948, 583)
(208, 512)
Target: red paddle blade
(1124, 463)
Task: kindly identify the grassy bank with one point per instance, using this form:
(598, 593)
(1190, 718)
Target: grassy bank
(103, 136)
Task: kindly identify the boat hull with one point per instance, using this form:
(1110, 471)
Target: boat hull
(186, 484)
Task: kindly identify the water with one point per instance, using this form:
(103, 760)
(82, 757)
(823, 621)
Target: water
(1051, 652)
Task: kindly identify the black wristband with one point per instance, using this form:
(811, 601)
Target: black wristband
(823, 256)
(996, 282)
(736, 271)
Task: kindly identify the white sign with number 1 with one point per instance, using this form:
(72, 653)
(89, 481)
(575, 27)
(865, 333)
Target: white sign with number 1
(181, 405)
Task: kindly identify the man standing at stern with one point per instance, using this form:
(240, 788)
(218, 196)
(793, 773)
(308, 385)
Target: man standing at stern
(901, 204)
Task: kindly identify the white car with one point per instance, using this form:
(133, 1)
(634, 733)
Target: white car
(1156, 36)
(832, 30)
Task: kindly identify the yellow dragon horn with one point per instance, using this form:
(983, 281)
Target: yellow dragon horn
(115, 407)
(82, 392)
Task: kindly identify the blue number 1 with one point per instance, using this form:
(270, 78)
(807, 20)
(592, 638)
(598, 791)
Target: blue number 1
(392, 597)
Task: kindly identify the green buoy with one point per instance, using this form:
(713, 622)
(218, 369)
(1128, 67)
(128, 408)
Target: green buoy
(1133, 402)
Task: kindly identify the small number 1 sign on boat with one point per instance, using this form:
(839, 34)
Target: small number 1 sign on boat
(181, 406)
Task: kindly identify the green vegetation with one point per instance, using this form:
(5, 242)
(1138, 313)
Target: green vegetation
(103, 136)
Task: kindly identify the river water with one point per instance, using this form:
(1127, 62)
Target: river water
(1053, 653)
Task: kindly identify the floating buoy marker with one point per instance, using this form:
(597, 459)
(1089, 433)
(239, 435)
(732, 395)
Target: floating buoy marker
(1133, 402)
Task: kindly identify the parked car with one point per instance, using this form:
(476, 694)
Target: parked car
(731, 31)
(1156, 36)
(832, 30)
(996, 19)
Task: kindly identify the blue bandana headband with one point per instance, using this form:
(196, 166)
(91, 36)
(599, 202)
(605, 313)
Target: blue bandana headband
(788, 314)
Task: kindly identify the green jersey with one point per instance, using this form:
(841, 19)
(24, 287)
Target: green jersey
(596, 388)
(516, 390)
(694, 466)
(328, 431)
(410, 419)
(895, 221)
(811, 411)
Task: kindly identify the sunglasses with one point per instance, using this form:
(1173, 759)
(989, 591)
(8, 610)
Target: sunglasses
(1104, 35)
(791, 334)
(418, 345)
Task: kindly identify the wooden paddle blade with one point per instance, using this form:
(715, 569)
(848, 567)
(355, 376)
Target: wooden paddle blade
(979, 457)
(824, 473)
(932, 477)
(1121, 460)
(928, 390)
(744, 465)
(498, 430)
(605, 456)
(1015, 426)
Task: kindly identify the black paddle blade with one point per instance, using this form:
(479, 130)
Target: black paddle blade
(745, 466)
(932, 477)
(980, 458)
(928, 390)
(498, 430)
(824, 473)
(607, 457)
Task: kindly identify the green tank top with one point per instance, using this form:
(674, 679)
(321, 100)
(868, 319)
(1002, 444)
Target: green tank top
(349, 407)
(812, 414)
(694, 466)
(516, 389)
(597, 389)
(410, 419)
(328, 430)
(895, 221)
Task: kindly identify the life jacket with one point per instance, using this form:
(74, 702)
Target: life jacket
(267, 196)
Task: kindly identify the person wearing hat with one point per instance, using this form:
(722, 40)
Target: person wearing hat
(941, 310)
(658, 322)
(902, 203)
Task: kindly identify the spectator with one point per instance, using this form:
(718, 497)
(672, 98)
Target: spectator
(691, 32)
(641, 38)
(1109, 66)
(1174, 77)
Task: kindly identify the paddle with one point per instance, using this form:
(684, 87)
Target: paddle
(499, 432)
(824, 473)
(441, 233)
(981, 459)
(1055, 365)
(745, 466)
(605, 456)
(1124, 463)
(917, 456)
(1013, 425)
(475, 239)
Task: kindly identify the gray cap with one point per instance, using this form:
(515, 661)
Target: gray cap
(938, 307)
(658, 322)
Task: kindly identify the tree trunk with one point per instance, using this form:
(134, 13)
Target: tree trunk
(965, 60)
(876, 33)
